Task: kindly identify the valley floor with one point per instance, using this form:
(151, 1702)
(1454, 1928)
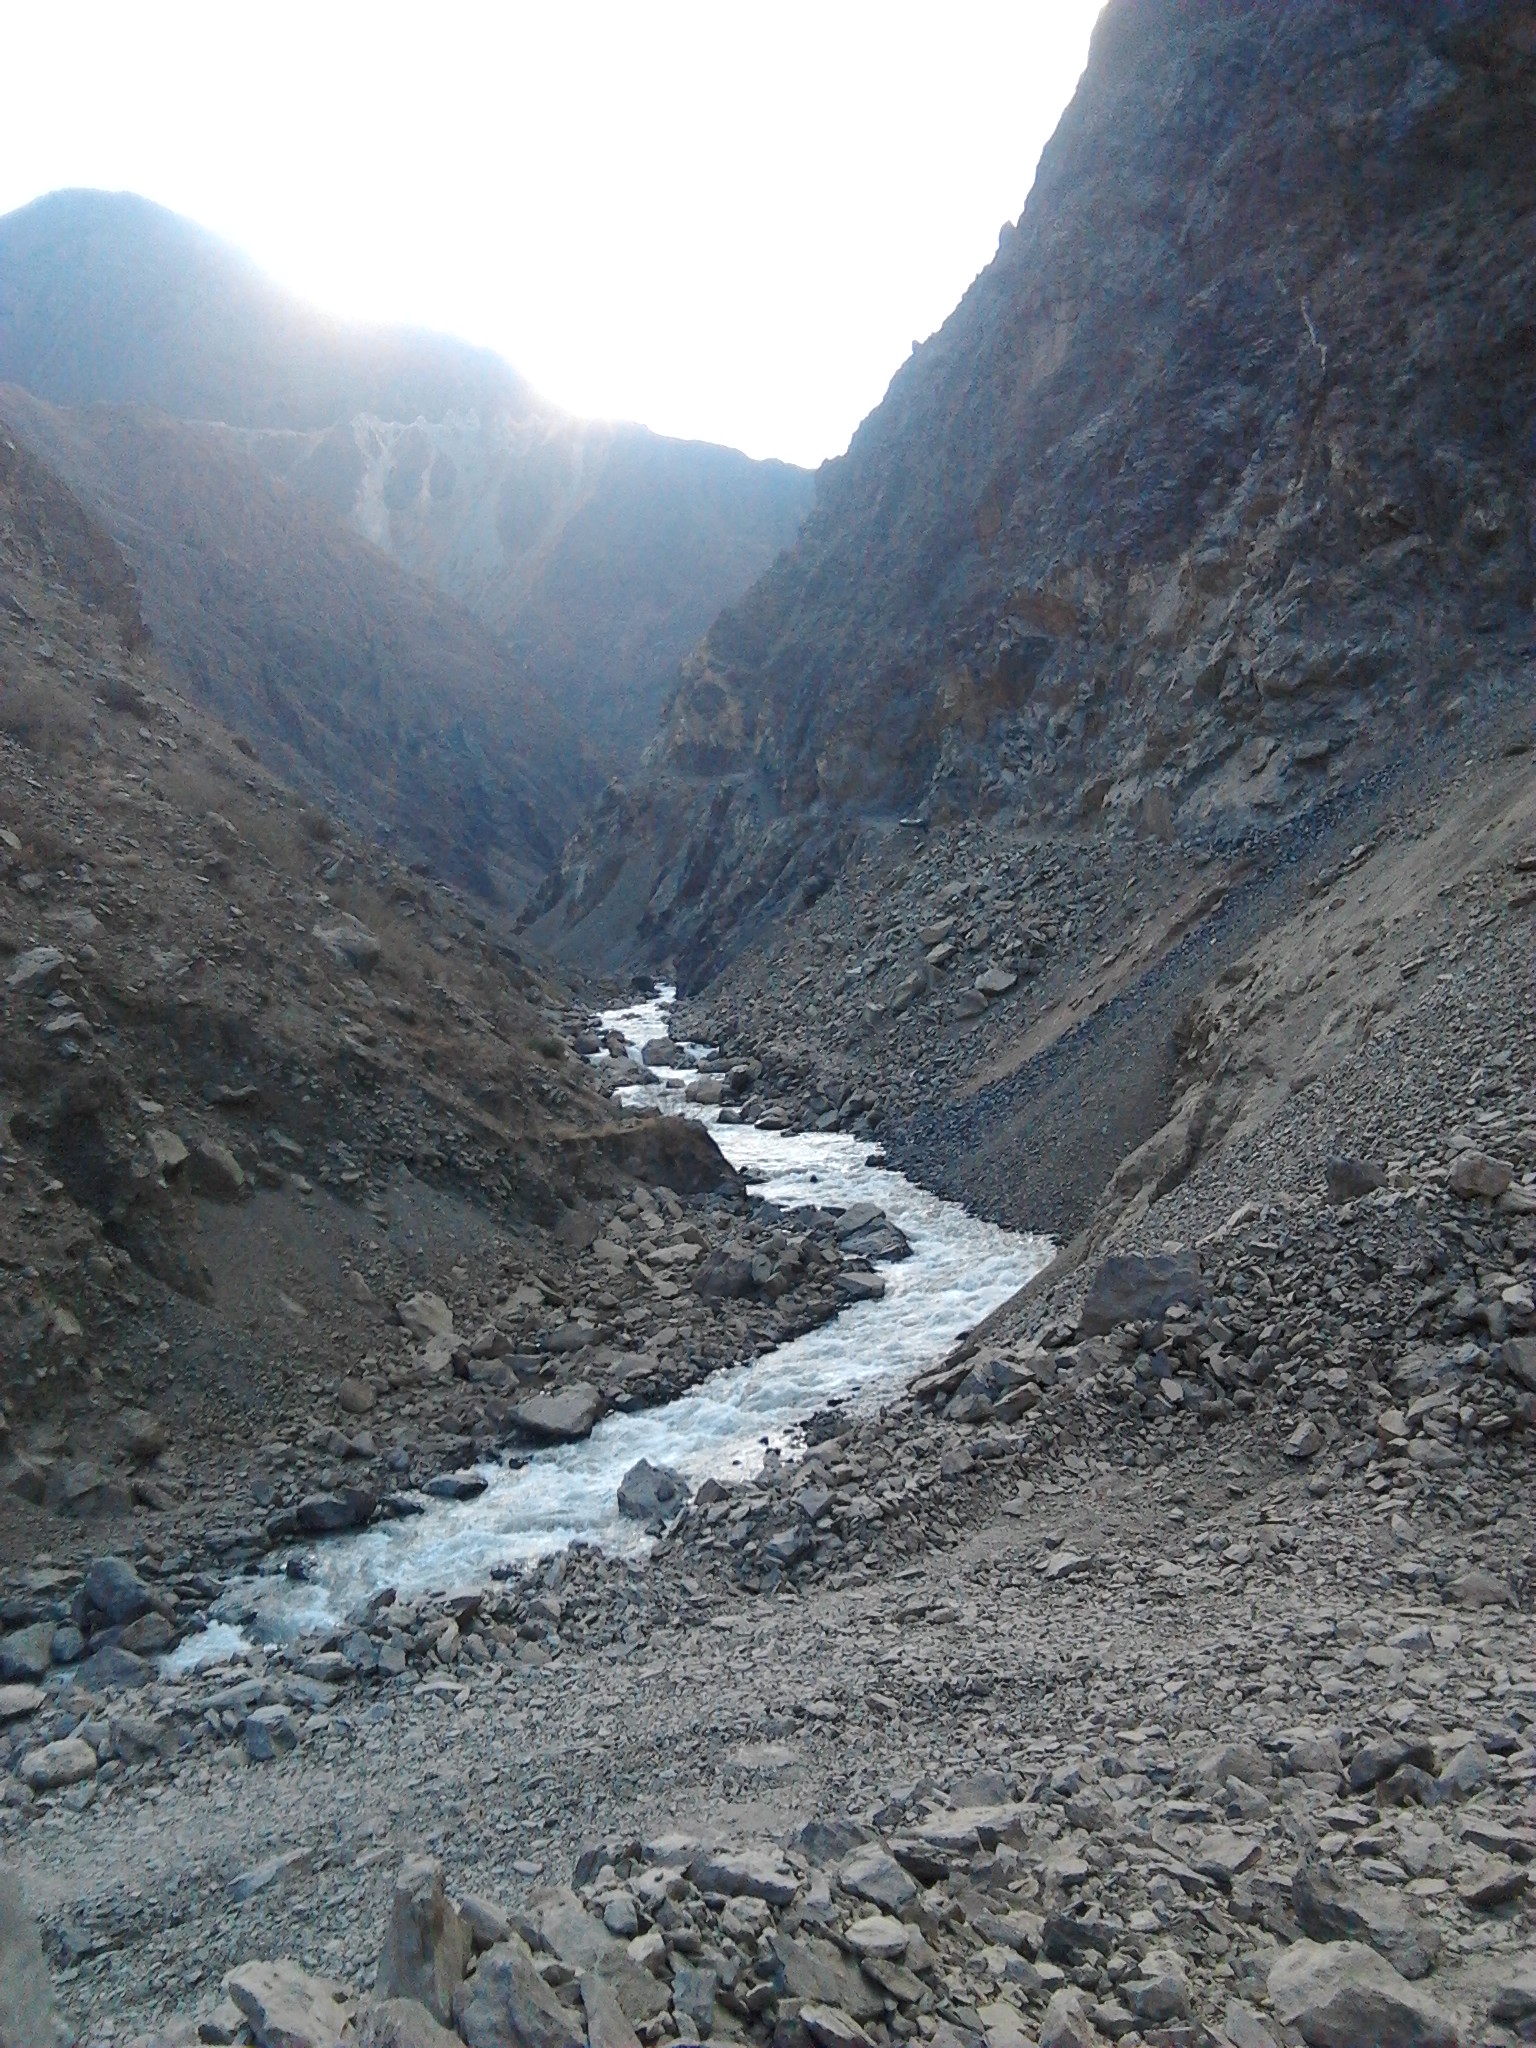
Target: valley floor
(1148, 1673)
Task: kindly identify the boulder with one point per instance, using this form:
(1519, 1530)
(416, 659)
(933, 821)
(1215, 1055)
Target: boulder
(1066, 2023)
(327, 1514)
(1476, 1177)
(285, 2007)
(1341, 1994)
(830, 2027)
(693, 1995)
(608, 2025)
(213, 1170)
(1514, 1994)
(66, 1762)
(27, 1653)
(647, 1491)
(997, 981)
(808, 1969)
(143, 1435)
(350, 944)
(400, 2023)
(425, 1315)
(116, 1592)
(168, 1151)
(1378, 1914)
(35, 970)
(29, 2012)
(872, 1873)
(1137, 1287)
(1348, 1178)
(269, 1732)
(564, 1416)
(507, 2004)
(112, 1669)
(427, 1945)
(745, 1873)
(18, 1701)
(1159, 1992)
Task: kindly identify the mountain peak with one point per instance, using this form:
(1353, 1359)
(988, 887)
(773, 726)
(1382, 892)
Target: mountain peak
(107, 295)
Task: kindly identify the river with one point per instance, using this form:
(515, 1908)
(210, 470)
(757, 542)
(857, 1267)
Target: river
(960, 1270)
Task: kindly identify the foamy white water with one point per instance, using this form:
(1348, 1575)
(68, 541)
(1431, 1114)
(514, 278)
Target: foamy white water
(960, 1270)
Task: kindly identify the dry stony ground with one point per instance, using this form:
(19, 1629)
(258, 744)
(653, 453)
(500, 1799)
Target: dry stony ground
(1161, 1670)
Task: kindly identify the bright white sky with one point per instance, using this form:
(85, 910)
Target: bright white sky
(727, 220)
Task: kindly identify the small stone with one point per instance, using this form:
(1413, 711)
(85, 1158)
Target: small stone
(355, 1397)
(17, 1701)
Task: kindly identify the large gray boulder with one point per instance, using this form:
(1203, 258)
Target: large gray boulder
(1328, 1910)
(400, 2023)
(29, 2012)
(285, 2007)
(647, 1491)
(1139, 1287)
(1341, 1994)
(507, 2004)
(116, 1592)
(564, 1416)
(427, 1944)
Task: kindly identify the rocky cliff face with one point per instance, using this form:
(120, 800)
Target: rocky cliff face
(599, 553)
(1212, 491)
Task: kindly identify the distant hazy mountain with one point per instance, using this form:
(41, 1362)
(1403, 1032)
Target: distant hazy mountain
(352, 678)
(601, 553)
(104, 295)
